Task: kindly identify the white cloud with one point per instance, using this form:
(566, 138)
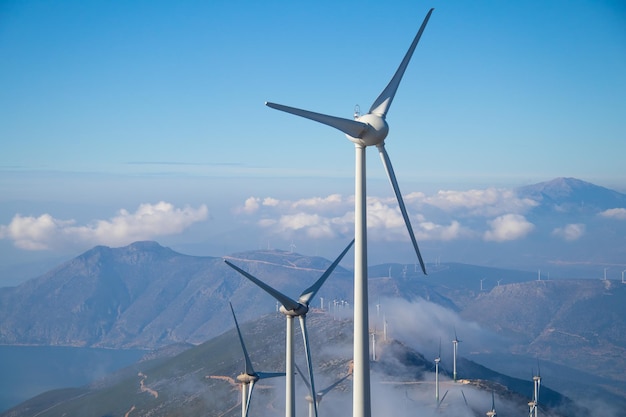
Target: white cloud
(488, 202)
(147, 222)
(250, 206)
(333, 215)
(614, 213)
(570, 232)
(508, 227)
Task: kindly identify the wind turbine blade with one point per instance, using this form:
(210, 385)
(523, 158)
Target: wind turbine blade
(443, 398)
(287, 302)
(382, 103)
(347, 126)
(310, 292)
(249, 396)
(265, 375)
(307, 349)
(493, 401)
(303, 378)
(394, 183)
(333, 385)
(464, 399)
(249, 369)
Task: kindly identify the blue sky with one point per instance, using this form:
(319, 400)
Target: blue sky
(110, 107)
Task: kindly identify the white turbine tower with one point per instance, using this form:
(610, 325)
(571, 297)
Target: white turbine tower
(366, 130)
(249, 377)
(292, 308)
(455, 346)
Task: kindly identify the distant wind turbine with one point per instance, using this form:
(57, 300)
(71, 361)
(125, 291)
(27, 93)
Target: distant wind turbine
(437, 360)
(249, 377)
(292, 308)
(366, 130)
(492, 412)
(534, 404)
(320, 394)
(455, 346)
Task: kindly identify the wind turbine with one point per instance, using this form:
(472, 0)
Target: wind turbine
(437, 360)
(537, 385)
(249, 377)
(366, 130)
(320, 394)
(292, 308)
(492, 412)
(455, 345)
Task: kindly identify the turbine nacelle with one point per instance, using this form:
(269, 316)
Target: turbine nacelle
(374, 133)
(300, 310)
(247, 378)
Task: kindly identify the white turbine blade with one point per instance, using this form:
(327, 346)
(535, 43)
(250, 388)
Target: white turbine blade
(249, 369)
(396, 189)
(249, 396)
(382, 103)
(307, 349)
(310, 292)
(287, 302)
(347, 126)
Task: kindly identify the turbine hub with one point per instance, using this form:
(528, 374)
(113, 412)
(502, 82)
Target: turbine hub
(300, 311)
(375, 133)
(247, 378)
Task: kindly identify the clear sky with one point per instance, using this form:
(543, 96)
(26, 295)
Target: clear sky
(110, 105)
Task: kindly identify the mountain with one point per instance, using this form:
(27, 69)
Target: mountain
(571, 194)
(146, 296)
(201, 380)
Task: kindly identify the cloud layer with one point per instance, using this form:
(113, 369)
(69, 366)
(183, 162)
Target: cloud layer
(147, 222)
(448, 215)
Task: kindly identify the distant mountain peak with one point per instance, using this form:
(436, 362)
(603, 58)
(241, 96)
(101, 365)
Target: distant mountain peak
(567, 191)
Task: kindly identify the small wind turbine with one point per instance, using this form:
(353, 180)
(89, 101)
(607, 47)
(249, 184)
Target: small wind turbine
(366, 130)
(292, 308)
(533, 405)
(249, 377)
(623, 282)
(455, 346)
(320, 394)
(437, 360)
(492, 412)
(537, 386)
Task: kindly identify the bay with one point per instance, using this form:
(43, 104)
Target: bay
(26, 371)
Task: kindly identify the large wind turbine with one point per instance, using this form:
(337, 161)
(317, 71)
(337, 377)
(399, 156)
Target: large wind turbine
(292, 308)
(249, 377)
(366, 130)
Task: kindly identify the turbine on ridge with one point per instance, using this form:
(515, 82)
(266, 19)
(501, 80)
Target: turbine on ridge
(492, 412)
(367, 130)
(249, 377)
(292, 308)
(320, 394)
